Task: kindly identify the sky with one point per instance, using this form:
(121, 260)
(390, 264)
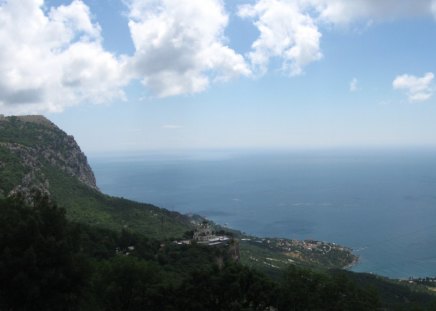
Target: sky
(155, 75)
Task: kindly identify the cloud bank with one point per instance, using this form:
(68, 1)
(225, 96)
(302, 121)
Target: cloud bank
(289, 30)
(286, 32)
(180, 45)
(51, 60)
(418, 89)
(53, 57)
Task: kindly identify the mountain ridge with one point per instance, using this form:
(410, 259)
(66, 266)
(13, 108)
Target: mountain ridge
(36, 155)
(26, 165)
(44, 143)
(40, 157)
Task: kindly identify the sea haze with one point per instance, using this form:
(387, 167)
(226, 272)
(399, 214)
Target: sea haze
(380, 203)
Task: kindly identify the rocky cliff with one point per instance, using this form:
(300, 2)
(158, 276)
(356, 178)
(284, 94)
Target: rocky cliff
(36, 156)
(32, 146)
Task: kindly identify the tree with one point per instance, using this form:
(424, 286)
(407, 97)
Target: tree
(40, 266)
(127, 283)
(309, 290)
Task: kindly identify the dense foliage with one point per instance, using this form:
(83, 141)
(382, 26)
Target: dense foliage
(86, 205)
(40, 261)
(106, 253)
(11, 171)
(49, 263)
(34, 153)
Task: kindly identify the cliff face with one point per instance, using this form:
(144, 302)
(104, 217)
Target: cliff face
(30, 148)
(36, 156)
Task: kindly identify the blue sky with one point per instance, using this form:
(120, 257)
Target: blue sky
(267, 74)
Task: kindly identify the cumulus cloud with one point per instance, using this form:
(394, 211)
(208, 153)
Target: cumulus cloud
(289, 30)
(286, 32)
(180, 45)
(51, 59)
(417, 88)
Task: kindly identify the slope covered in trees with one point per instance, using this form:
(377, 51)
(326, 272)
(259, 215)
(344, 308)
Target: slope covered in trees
(36, 155)
(50, 263)
(98, 252)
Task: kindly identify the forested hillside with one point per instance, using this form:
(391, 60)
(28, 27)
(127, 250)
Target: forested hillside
(35, 155)
(64, 245)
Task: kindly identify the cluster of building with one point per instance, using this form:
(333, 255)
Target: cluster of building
(289, 245)
(286, 245)
(428, 281)
(205, 235)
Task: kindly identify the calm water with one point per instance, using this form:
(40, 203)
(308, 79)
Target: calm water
(382, 204)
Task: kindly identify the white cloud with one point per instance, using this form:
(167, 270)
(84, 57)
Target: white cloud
(346, 11)
(180, 45)
(353, 85)
(53, 59)
(289, 30)
(286, 32)
(417, 89)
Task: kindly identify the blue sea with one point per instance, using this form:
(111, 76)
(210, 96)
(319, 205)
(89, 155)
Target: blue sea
(382, 204)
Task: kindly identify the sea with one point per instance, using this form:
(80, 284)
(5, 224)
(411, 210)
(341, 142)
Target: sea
(380, 203)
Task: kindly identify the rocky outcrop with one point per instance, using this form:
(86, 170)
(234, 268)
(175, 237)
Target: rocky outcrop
(37, 145)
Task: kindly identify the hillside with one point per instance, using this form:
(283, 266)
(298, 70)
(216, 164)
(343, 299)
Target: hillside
(36, 155)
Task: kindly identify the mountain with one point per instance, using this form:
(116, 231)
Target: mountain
(37, 143)
(35, 155)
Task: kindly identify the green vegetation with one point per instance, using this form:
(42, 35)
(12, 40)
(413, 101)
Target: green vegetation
(97, 252)
(40, 262)
(397, 294)
(89, 206)
(49, 263)
(275, 253)
(11, 170)
(36, 154)
(31, 134)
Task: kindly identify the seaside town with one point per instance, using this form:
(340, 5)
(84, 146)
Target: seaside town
(204, 234)
(306, 252)
(273, 252)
